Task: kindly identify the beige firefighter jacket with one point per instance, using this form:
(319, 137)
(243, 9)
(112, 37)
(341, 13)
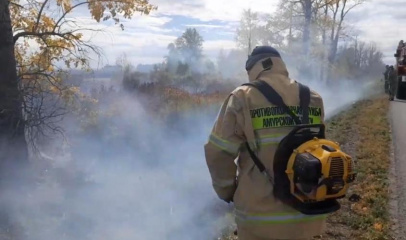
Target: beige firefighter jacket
(246, 116)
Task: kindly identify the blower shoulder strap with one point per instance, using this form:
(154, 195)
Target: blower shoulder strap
(304, 95)
(273, 97)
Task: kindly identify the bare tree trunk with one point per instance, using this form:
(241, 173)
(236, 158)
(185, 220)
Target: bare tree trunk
(13, 146)
(324, 64)
(334, 48)
(307, 9)
(250, 31)
(335, 33)
(290, 25)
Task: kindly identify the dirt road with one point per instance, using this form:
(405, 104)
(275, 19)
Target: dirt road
(398, 120)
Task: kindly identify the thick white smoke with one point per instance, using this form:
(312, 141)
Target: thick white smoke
(135, 178)
(339, 96)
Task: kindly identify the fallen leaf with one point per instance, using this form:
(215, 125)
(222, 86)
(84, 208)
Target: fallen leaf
(378, 226)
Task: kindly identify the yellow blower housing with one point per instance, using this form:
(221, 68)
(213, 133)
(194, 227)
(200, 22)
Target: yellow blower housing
(318, 170)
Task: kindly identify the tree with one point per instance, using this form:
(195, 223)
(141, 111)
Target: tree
(185, 53)
(231, 64)
(323, 21)
(57, 39)
(12, 138)
(173, 58)
(283, 28)
(311, 29)
(190, 45)
(309, 11)
(307, 8)
(221, 59)
(248, 33)
(339, 10)
(359, 60)
(326, 15)
(122, 61)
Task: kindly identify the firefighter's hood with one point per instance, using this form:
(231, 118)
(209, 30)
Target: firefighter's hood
(278, 68)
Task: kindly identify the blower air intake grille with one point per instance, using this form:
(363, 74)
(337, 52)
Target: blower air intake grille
(336, 167)
(350, 166)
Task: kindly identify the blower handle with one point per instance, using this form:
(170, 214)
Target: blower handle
(321, 127)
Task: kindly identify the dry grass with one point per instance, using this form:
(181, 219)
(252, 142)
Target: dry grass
(178, 100)
(364, 133)
(168, 101)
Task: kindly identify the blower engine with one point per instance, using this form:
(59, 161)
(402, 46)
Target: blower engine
(317, 172)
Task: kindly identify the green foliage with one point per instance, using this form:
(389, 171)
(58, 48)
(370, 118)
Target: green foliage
(190, 45)
(182, 68)
(185, 54)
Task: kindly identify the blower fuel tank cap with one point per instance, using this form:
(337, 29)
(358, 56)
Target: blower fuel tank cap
(328, 148)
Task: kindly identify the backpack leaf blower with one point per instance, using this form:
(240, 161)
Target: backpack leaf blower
(309, 172)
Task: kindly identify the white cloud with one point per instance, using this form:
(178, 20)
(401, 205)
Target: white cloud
(144, 38)
(211, 48)
(203, 26)
(207, 10)
(140, 47)
(382, 22)
(218, 44)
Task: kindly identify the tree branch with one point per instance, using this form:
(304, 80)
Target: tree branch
(39, 15)
(68, 11)
(35, 34)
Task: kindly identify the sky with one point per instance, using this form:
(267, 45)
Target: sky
(145, 37)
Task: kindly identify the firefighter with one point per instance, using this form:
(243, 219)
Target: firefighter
(386, 77)
(241, 120)
(393, 83)
(401, 44)
(399, 58)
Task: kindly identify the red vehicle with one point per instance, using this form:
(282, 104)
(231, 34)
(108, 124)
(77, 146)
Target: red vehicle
(400, 69)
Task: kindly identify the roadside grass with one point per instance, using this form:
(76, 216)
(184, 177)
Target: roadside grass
(363, 132)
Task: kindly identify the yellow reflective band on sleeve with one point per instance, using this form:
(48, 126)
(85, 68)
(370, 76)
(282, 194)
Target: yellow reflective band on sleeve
(224, 183)
(274, 117)
(278, 218)
(224, 145)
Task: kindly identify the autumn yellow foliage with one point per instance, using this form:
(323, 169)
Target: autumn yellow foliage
(48, 41)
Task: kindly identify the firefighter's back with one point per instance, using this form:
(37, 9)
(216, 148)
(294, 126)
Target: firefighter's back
(258, 214)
